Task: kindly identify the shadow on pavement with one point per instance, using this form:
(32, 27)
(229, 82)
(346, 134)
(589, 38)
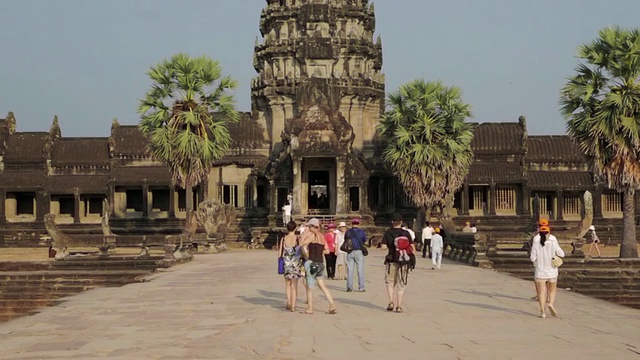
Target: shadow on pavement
(491, 307)
(492, 295)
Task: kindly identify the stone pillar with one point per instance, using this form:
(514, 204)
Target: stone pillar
(364, 196)
(172, 202)
(254, 192)
(526, 194)
(597, 203)
(43, 204)
(3, 202)
(146, 204)
(464, 200)
(492, 199)
(76, 206)
(341, 207)
(297, 187)
(559, 205)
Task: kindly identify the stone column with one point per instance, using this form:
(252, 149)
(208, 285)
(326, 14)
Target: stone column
(559, 205)
(172, 202)
(43, 204)
(341, 207)
(526, 194)
(76, 206)
(597, 203)
(146, 204)
(492, 199)
(297, 186)
(3, 202)
(254, 192)
(364, 196)
(464, 200)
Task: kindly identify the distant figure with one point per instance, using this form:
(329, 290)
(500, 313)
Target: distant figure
(474, 229)
(467, 227)
(595, 240)
(427, 233)
(437, 245)
(290, 199)
(286, 213)
(341, 259)
(314, 200)
(322, 201)
(545, 247)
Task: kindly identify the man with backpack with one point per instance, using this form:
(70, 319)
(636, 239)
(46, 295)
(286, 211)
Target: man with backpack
(399, 261)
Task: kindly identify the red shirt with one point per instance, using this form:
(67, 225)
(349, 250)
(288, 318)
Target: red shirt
(330, 241)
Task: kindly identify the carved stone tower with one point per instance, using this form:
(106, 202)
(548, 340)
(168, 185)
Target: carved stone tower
(319, 94)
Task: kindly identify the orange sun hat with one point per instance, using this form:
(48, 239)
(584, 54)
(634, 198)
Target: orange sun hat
(545, 228)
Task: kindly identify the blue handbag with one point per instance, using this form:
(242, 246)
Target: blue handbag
(281, 265)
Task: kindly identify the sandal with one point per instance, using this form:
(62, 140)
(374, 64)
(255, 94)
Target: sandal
(390, 307)
(398, 309)
(332, 311)
(307, 312)
(552, 310)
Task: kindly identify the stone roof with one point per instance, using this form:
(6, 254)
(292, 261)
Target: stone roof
(80, 151)
(486, 173)
(247, 133)
(128, 141)
(553, 148)
(126, 175)
(86, 184)
(21, 180)
(26, 147)
(555, 180)
(498, 138)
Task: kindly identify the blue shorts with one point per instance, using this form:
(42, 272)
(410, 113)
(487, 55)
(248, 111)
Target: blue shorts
(311, 278)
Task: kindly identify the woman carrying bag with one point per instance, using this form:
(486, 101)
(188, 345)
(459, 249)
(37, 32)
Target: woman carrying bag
(290, 253)
(545, 253)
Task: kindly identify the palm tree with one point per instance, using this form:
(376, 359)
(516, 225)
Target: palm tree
(601, 105)
(184, 115)
(427, 142)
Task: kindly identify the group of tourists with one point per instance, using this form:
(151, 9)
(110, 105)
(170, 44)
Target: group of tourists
(314, 253)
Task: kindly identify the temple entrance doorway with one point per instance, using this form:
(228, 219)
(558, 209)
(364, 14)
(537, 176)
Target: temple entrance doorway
(318, 190)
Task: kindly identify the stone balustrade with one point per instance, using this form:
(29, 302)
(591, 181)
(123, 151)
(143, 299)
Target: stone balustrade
(469, 248)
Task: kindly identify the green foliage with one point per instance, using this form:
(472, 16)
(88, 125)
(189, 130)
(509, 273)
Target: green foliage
(184, 115)
(427, 141)
(601, 105)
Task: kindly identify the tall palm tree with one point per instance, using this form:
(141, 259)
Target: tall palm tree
(184, 115)
(427, 141)
(601, 105)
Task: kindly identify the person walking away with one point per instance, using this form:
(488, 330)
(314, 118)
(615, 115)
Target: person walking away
(290, 251)
(330, 257)
(398, 262)
(545, 246)
(356, 257)
(313, 239)
(341, 258)
(467, 227)
(427, 233)
(437, 246)
(595, 240)
(286, 213)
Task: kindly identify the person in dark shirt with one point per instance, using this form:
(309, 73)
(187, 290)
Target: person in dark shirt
(393, 277)
(313, 239)
(355, 259)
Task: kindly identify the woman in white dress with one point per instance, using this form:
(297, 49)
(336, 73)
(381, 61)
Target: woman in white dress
(341, 261)
(545, 247)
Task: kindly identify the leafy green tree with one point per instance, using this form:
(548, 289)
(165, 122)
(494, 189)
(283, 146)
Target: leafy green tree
(184, 115)
(601, 105)
(427, 142)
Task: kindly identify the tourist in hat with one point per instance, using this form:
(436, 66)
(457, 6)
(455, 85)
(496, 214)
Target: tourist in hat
(396, 273)
(314, 267)
(341, 256)
(595, 240)
(437, 246)
(545, 246)
(355, 259)
(289, 250)
(330, 257)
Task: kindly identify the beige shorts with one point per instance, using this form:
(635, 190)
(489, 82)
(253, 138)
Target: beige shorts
(392, 276)
(551, 280)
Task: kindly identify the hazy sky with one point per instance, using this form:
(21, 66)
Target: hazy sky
(85, 60)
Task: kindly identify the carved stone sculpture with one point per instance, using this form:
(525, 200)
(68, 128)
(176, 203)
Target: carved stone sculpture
(216, 218)
(179, 246)
(60, 241)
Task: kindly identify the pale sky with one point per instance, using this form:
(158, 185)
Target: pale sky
(85, 60)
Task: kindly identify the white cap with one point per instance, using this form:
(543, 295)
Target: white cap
(592, 227)
(313, 222)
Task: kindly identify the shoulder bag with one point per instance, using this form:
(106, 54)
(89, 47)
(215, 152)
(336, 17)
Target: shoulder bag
(347, 245)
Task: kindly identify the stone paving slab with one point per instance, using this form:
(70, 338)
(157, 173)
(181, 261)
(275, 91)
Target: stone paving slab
(231, 306)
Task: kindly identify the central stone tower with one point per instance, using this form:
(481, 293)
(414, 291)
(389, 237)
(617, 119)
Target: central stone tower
(319, 94)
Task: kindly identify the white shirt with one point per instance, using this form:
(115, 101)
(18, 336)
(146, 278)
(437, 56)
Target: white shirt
(436, 243)
(427, 233)
(339, 241)
(541, 257)
(287, 210)
(474, 229)
(411, 232)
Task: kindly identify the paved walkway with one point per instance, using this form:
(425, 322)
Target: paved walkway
(231, 306)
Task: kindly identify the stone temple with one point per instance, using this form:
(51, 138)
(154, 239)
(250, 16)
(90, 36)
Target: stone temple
(309, 138)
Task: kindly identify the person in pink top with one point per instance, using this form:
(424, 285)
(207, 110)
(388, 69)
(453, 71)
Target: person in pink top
(330, 258)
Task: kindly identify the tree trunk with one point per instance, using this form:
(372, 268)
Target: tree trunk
(629, 245)
(189, 198)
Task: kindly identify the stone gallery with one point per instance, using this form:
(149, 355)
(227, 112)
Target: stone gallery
(309, 139)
